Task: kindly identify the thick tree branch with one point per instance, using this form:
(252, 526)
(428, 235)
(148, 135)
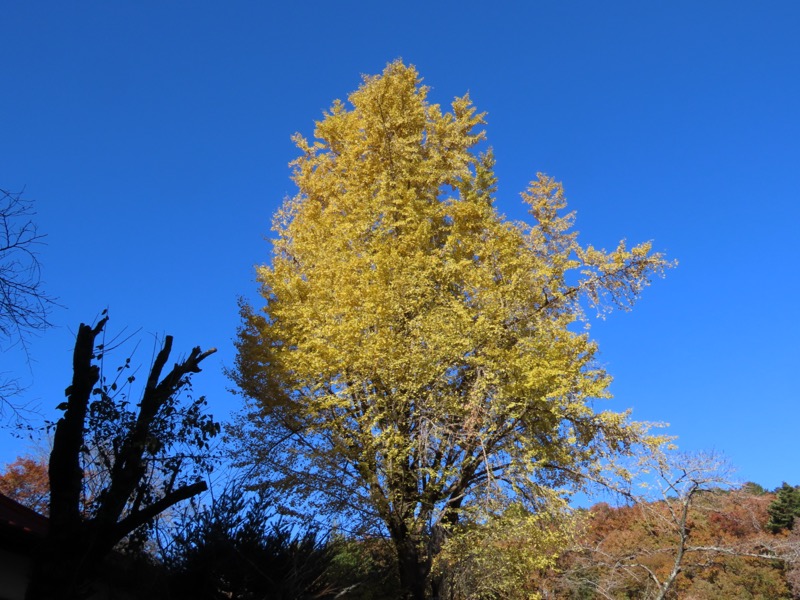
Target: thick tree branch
(130, 462)
(139, 518)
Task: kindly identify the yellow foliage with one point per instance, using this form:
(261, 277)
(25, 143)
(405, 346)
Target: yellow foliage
(419, 354)
(503, 556)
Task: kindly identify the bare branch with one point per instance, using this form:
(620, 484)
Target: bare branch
(24, 306)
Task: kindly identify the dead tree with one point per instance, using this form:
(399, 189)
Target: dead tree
(77, 543)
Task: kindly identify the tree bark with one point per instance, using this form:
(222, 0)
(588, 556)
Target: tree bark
(414, 569)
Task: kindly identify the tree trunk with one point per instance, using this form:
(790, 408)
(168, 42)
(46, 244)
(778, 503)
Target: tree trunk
(75, 546)
(60, 569)
(414, 569)
(59, 565)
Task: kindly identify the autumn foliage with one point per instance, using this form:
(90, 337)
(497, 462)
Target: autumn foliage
(25, 480)
(621, 552)
(419, 362)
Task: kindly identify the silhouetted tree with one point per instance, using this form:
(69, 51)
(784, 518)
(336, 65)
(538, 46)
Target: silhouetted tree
(24, 306)
(144, 453)
(234, 548)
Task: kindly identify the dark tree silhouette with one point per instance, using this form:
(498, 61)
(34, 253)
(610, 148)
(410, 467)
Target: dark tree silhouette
(235, 548)
(24, 306)
(144, 474)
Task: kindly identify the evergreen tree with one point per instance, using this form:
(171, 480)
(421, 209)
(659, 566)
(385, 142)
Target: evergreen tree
(784, 508)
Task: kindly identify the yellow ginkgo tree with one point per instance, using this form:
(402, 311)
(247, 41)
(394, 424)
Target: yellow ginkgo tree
(421, 361)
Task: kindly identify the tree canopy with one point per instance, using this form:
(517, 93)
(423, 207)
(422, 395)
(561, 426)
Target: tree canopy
(25, 480)
(422, 361)
(785, 508)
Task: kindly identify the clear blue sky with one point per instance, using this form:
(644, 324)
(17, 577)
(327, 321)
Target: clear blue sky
(154, 139)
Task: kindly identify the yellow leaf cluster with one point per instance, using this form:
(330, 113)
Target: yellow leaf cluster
(502, 556)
